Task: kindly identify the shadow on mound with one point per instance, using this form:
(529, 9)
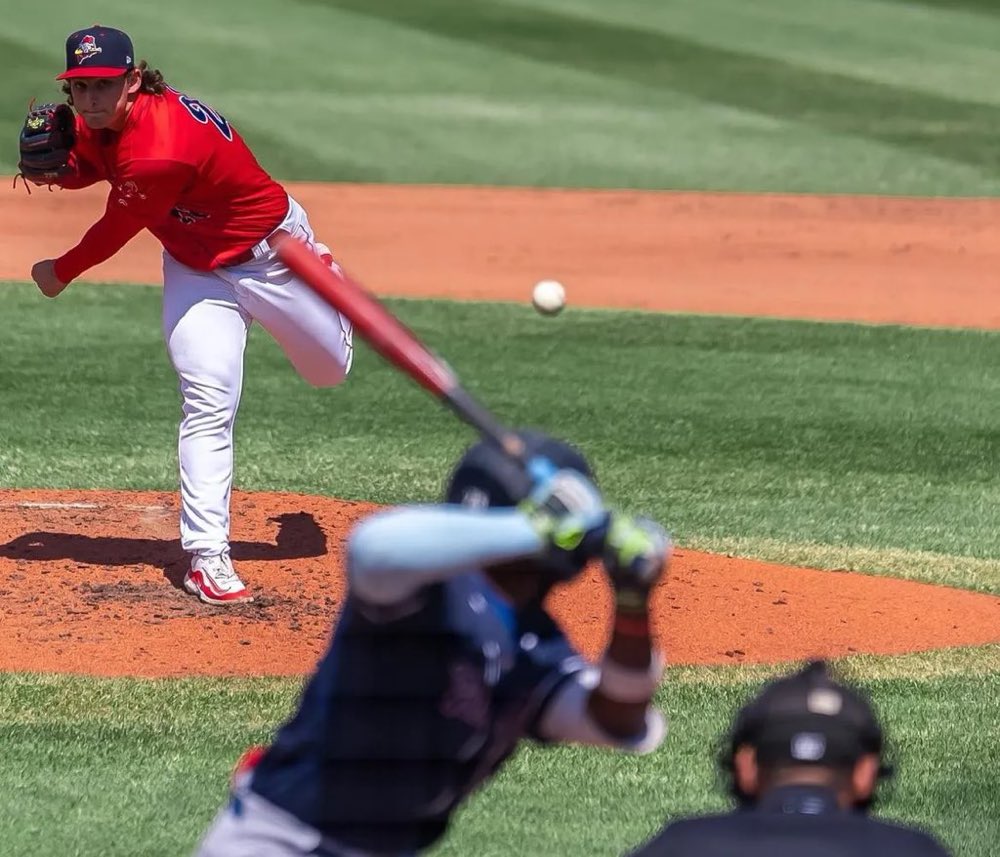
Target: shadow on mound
(299, 536)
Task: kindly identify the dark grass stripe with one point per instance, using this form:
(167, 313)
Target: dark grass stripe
(30, 73)
(989, 7)
(953, 129)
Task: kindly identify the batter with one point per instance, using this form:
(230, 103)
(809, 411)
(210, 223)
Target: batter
(179, 169)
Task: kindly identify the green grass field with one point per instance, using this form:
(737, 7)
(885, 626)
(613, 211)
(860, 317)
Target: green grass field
(809, 442)
(869, 96)
(98, 767)
(835, 446)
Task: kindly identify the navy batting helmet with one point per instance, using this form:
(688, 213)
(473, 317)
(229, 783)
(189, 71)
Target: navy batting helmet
(487, 478)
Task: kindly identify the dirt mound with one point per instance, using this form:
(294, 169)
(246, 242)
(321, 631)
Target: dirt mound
(90, 583)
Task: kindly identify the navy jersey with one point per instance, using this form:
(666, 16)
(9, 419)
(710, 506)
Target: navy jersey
(407, 714)
(791, 821)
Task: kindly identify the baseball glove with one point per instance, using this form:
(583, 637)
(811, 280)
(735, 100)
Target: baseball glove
(46, 141)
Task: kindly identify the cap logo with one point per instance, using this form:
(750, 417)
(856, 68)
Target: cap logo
(86, 49)
(808, 746)
(811, 806)
(824, 700)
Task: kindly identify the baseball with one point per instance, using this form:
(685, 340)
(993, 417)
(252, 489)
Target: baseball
(548, 297)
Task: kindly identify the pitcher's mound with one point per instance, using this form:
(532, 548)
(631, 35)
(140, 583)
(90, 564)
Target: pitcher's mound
(90, 583)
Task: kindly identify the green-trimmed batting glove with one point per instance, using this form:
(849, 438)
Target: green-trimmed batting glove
(636, 551)
(568, 512)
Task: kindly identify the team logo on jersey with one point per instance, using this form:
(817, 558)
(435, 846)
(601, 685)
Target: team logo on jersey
(128, 191)
(86, 49)
(187, 216)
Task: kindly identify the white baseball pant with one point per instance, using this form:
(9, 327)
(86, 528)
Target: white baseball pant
(206, 317)
(250, 826)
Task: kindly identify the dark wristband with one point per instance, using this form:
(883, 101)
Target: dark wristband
(631, 624)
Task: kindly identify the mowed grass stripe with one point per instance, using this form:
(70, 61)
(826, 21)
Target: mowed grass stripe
(984, 7)
(74, 748)
(940, 51)
(773, 434)
(348, 96)
(958, 130)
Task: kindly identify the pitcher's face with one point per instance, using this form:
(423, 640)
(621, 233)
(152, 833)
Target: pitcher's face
(102, 101)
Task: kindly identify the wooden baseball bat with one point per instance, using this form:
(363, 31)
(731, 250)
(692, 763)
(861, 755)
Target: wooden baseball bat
(373, 321)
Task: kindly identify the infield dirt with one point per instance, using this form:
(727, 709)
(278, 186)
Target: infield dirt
(89, 581)
(857, 258)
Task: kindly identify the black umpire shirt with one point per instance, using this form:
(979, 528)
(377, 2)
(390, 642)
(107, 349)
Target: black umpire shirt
(791, 821)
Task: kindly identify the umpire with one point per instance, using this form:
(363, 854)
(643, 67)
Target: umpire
(803, 761)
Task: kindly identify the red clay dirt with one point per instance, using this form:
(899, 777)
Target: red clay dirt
(89, 581)
(870, 259)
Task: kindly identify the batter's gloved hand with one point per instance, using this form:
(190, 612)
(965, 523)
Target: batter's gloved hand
(636, 552)
(47, 138)
(568, 512)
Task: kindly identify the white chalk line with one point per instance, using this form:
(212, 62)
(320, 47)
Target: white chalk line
(130, 506)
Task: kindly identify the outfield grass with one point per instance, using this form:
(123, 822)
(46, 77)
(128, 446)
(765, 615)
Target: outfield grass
(101, 765)
(810, 95)
(826, 444)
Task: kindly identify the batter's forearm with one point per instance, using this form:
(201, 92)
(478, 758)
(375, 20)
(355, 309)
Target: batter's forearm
(394, 553)
(630, 673)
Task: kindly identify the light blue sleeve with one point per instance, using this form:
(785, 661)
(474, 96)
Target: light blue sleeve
(394, 553)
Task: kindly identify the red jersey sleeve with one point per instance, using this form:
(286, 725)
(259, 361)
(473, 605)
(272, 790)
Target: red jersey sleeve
(141, 196)
(84, 173)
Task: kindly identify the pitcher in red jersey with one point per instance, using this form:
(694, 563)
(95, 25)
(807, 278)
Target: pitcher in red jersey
(177, 168)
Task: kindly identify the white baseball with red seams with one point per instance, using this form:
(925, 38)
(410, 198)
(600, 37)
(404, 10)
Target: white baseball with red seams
(548, 297)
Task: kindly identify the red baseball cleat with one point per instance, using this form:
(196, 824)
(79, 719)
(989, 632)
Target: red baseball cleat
(213, 580)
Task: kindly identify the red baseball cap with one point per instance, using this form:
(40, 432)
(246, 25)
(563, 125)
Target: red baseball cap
(98, 52)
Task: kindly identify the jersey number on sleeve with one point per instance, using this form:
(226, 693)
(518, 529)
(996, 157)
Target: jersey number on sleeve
(205, 114)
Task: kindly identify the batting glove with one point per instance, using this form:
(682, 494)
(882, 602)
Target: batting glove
(636, 551)
(568, 513)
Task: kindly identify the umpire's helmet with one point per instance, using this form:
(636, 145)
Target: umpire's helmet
(806, 718)
(486, 478)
